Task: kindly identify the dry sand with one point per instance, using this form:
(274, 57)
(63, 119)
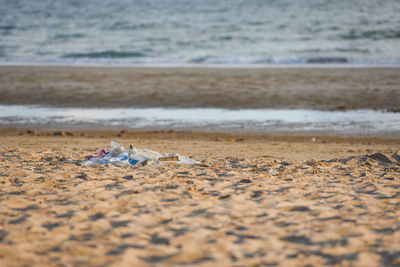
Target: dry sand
(253, 201)
(310, 88)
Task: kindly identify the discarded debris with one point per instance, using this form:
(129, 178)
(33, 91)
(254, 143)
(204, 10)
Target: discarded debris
(120, 156)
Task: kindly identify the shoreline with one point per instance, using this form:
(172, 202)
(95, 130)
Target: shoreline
(234, 137)
(49, 130)
(240, 88)
(272, 121)
(201, 65)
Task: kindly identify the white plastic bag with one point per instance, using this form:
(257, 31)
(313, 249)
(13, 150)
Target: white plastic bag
(119, 156)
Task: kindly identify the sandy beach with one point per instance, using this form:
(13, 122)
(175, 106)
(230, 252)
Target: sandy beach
(289, 88)
(199, 133)
(254, 200)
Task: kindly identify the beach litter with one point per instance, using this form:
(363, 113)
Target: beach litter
(119, 156)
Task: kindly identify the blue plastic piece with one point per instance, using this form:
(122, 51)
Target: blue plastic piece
(133, 161)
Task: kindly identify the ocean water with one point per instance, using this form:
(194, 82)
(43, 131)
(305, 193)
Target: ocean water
(299, 121)
(180, 32)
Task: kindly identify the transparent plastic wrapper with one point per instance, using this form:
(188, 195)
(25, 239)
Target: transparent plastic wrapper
(119, 156)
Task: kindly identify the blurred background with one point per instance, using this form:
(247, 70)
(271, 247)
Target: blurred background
(179, 32)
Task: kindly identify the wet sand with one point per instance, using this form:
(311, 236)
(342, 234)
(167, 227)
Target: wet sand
(255, 200)
(284, 88)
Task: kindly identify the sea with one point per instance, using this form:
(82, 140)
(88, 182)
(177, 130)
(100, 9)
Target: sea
(201, 33)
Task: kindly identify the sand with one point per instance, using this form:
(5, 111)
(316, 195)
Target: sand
(287, 88)
(254, 200)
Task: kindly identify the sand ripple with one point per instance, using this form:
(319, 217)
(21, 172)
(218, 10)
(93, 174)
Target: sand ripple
(225, 211)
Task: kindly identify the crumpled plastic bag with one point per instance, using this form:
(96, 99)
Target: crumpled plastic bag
(120, 156)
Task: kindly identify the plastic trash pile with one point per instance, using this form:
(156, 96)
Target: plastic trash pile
(120, 156)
